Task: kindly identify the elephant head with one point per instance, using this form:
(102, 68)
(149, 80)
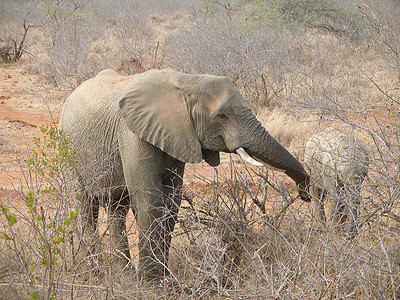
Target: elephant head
(194, 117)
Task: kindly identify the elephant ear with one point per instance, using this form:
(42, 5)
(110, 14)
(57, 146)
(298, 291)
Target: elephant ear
(154, 108)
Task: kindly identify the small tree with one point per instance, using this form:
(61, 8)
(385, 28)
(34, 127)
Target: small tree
(17, 20)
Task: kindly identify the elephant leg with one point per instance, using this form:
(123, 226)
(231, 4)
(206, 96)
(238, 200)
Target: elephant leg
(156, 219)
(152, 262)
(354, 223)
(172, 184)
(117, 211)
(151, 184)
(340, 210)
(318, 205)
(89, 215)
(353, 210)
(340, 216)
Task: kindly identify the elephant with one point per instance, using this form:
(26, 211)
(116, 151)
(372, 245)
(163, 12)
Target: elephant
(337, 164)
(136, 133)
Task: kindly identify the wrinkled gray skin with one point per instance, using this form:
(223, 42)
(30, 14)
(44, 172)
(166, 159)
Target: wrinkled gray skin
(337, 164)
(135, 135)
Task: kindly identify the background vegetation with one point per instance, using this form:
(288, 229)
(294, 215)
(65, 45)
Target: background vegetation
(302, 65)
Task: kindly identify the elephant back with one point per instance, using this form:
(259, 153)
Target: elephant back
(333, 155)
(91, 120)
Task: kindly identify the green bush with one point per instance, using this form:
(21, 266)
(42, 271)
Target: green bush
(40, 237)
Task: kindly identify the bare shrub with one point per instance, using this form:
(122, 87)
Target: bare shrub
(337, 17)
(6, 54)
(81, 39)
(269, 64)
(362, 97)
(39, 221)
(341, 83)
(252, 61)
(241, 233)
(382, 18)
(68, 35)
(16, 21)
(227, 246)
(133, 42)
(229, 231)
(356, 99)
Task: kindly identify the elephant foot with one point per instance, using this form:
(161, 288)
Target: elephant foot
(87, 254)
(318, 225)
(87, 267)
(171, 287)
(153, 273)
(118, 261)
(346, 232)
(124, 276)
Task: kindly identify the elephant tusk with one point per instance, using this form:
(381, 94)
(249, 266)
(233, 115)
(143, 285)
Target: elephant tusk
(243, 154)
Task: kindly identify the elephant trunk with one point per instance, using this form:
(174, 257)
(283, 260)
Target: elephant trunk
(265, 149)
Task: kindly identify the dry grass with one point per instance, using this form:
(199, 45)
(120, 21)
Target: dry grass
(224, 246)
(239, 236)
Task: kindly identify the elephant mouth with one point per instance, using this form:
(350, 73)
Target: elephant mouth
(254, 160)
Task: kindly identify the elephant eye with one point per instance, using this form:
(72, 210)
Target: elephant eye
(221, 115)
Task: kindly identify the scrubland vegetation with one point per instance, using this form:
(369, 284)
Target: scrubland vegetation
(301, 65)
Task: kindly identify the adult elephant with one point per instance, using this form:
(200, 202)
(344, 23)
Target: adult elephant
(338, 164)
(135, 135)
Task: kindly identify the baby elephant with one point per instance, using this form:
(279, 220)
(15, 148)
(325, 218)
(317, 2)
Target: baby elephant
(337, 164)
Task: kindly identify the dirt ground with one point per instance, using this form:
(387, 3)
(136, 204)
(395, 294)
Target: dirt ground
(22, 110)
